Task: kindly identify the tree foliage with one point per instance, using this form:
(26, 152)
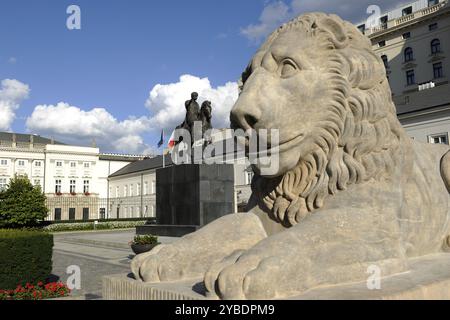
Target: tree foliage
(21, 204)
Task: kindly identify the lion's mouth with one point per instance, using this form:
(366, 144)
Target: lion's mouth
(270, 148)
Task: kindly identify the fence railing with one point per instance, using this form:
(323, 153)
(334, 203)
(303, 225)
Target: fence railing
(89, 208)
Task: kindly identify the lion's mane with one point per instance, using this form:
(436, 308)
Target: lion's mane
(359, 138)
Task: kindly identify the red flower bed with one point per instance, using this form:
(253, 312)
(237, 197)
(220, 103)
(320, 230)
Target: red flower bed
(38, 292)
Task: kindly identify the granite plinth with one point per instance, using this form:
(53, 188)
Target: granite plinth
(429, 278)
(165, 230)
(190, 196)
(194, 194)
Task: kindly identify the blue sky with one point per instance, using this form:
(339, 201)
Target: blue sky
(123, 50)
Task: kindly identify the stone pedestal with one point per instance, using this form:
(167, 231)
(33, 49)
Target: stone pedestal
(429, 278)
(190, 196)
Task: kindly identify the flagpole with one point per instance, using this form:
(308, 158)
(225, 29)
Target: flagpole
(164, 158)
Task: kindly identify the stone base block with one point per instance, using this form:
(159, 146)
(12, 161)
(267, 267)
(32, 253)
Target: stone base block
(123, 287)
(166, 230)
(429, 278)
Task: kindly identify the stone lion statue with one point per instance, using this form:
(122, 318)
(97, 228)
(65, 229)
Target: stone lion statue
(352, 190)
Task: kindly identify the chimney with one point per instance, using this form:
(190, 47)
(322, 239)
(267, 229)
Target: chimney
(52, 140)
(93, 143)
(31, 141)
(14, 140)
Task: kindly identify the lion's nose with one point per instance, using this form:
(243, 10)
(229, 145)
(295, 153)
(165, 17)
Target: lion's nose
(244, 115)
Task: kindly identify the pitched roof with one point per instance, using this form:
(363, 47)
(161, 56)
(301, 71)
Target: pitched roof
(143, 165)
(20, 137)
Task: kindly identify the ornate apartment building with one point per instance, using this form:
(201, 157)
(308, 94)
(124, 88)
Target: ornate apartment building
(73, 178)
(414, 43)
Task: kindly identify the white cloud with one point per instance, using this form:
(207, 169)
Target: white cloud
(12, 60)
(276, 13)
(75, 126)
(273, 15)
(166, 101)
(12, 93)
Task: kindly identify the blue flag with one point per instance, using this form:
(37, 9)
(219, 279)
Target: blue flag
(161, 141)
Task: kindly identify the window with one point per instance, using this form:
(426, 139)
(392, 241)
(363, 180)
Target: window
(73, 164)
(125, 191)
(57, 214)
(406, 11)
(153, 187)
(384, 20)
(145, 188)
(362, 28)
(435, 46)
(117, 192)
(406, 99)
(410, 77)
(57, 186)
(146, 212)
(131, 190)
(406, 35)
(382, 43)
(102, 213)
(437, 70)
(248, 177)
(86, 186)
(138, 189)
(438, 138)
(4, 162)
(21, 163)
(37, 182)
(85, 213)
(59, 164)
(433, 26)
(385, 61)
(71, 213)
(3, 184)
(409, 56)
(72, 186)
(432, 2)
(87, 165)
(37, 163)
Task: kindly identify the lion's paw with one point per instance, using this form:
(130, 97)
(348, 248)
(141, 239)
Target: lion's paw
(156, 266)
(247, 277)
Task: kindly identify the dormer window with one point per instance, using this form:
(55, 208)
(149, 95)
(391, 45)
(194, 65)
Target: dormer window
(362, 28)
(406, 11)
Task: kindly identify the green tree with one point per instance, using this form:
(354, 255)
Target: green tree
(22, 205)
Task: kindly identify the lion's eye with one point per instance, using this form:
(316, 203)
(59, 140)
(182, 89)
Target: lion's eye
(288, 69)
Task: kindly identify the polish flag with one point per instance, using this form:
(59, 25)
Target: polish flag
(171, 140)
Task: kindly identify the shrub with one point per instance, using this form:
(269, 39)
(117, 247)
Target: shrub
(146, 239)
(22, 204)
(25, 257)
(86, 226)
(36, 292)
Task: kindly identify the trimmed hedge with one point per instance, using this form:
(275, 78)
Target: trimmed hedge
(25, 257)
(86, 226)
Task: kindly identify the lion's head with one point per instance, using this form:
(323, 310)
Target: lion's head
(318, 81)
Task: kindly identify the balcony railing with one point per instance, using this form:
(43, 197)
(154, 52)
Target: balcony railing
(405, 19)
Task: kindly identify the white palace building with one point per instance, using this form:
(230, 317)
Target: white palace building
(74, 179)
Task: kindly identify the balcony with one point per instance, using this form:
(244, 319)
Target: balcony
(372, 32)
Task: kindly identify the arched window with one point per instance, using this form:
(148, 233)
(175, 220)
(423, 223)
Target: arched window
(409, 54)
(385, 61)
(435, 46)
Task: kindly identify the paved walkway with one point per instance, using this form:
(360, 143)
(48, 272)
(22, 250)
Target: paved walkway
(97, 254)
